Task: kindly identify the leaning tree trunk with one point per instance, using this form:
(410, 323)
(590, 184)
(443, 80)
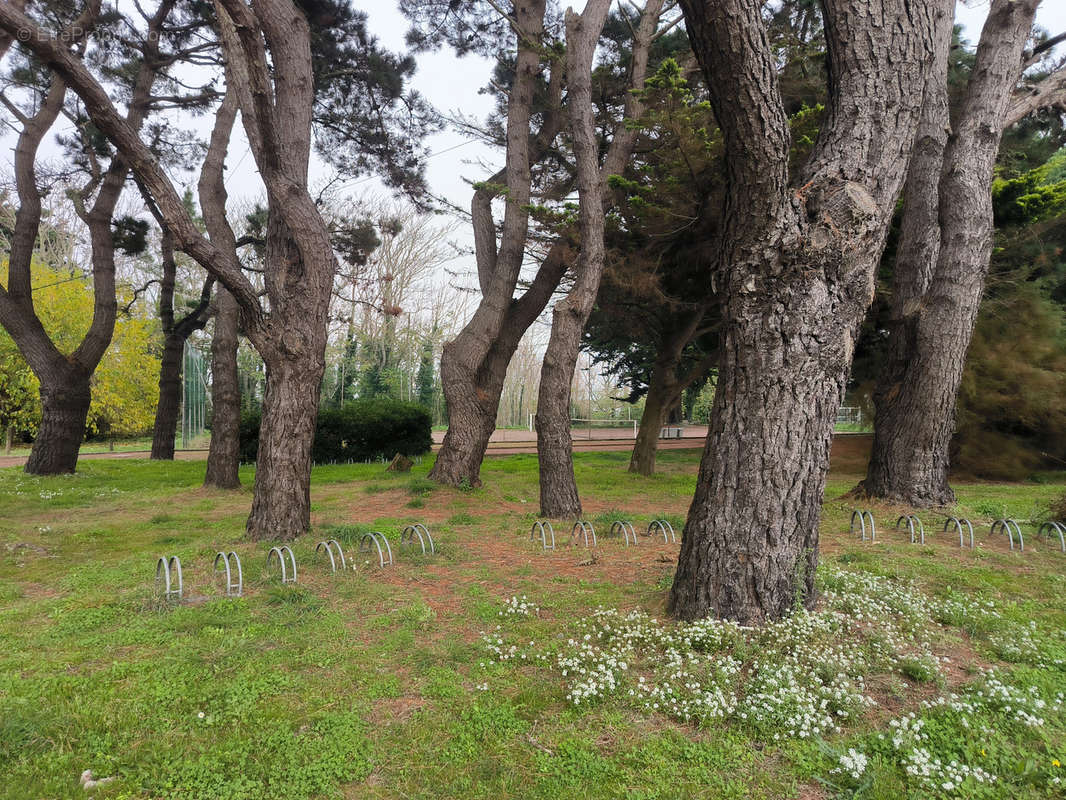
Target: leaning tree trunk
(65, 400)
(666, 387)
(223, 458)
(796, 267)
(558, 486)
(660, 399)
(945, 250)
(168, 410)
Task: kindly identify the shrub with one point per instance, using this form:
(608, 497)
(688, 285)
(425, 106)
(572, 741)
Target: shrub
(365, 429)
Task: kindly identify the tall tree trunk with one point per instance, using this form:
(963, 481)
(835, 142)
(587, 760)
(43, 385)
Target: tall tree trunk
(281, 506)
(945, 247)
(473, 378)
(663, 394)
(796, 269)
(558, 487)
(168, 409)
(175, 334)
(65, 400)
(223, 458)
(665, 388)
(470, 363)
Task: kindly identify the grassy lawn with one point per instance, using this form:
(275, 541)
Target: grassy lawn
(495, 670)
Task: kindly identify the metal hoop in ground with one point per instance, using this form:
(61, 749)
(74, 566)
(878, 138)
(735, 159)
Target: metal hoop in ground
(914, 526)
(664, 526)
(1058, 528)
(230, 560)
(545, 529)
(280, 552)
(377, 539)
(955, 523)
(583, 529)
(624, 528)
(166, 569)
(332, 546)
(1005, 525)
(422, 532)
(862, 516)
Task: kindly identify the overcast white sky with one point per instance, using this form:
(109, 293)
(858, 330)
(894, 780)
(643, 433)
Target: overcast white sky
(452, 84)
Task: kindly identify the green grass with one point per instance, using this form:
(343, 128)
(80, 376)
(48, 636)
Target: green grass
(379, 683)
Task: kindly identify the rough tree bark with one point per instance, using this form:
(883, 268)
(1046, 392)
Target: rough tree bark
(175, 334)
(474, 364)
(795, 272)
(223, 457)
(665, 388)
(558, 488)
(65, 378)
(467, 370)
(276, 99)
(945, 246)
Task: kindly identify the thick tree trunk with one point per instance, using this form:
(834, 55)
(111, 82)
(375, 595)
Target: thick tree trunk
(168, 409)
(223, 458)
(945, 247)
(281, 507)
(658, 402)
(65, 400)
(558, 487)
(796, 268)
(9, 435)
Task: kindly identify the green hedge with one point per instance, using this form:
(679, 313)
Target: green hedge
(365, 429)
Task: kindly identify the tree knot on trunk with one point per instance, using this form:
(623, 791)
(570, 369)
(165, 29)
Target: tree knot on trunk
(838, 211)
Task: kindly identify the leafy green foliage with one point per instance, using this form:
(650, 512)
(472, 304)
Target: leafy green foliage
(124, 384)
(358, 431)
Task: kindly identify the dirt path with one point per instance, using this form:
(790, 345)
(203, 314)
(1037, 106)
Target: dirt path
(852, 448)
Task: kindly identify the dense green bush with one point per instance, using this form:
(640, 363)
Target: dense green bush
(365, 429)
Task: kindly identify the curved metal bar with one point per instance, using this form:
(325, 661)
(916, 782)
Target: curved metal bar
(162, 569)
(340, 552)
(175, 562)
(955, 524)
(407, 537)
(1005, 526)
(585, 528)
(545, 527)
(1058, 528)
(1018, 530)
(417, 529)
(388, 548)
(240, 572)
(862, 523)
(625, 528)
(364, 547)
(663, 526)
(425, 530)
(229, 560)
(225, 562)
(329, 551)
(921, 528)
(275, 551)
(280, 553)
(292, 560)
(873, 526)
(910, 524)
